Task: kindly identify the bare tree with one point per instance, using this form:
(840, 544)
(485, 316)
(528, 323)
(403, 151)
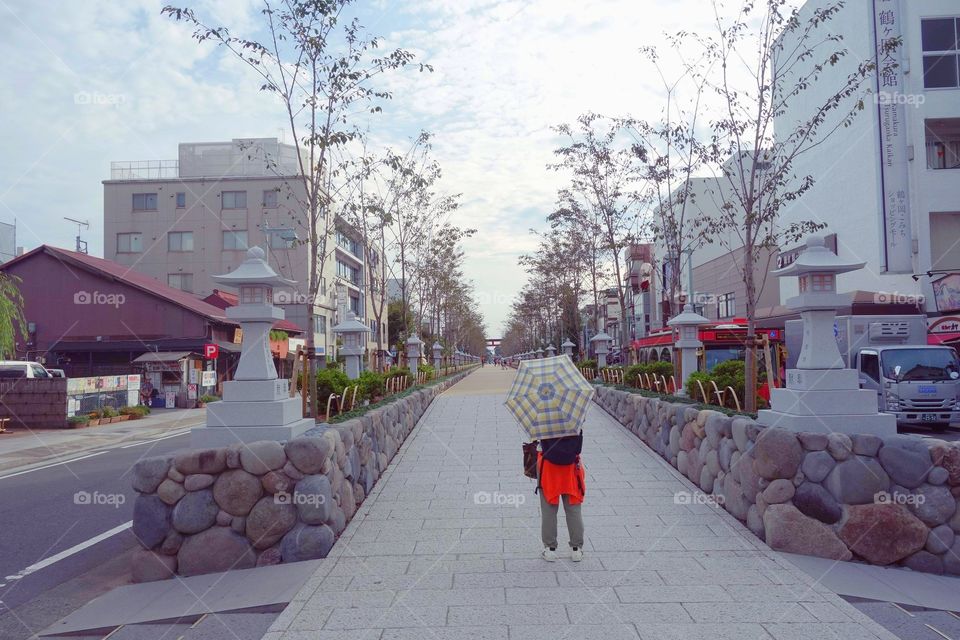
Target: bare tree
(321, 68)
(768, 55)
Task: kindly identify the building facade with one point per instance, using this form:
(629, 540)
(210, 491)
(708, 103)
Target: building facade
(888, 185)
(183, 221)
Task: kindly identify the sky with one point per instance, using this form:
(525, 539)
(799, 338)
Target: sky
(86, 83)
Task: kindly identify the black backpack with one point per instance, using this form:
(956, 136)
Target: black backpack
(563, 450)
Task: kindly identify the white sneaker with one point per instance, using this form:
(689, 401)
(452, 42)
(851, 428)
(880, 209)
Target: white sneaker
(577, 554)
(548, 554)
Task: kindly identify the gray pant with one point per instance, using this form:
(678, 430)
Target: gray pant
(548, 522)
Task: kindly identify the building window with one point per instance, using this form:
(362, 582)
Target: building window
(282, 239)
(726, 306)
(180, 241)
(270, 198)
(144, 202)
(941, 53)
(182, 281)
(233, 199)
(320, 322)
(235, 241)
(345, 271)
(943, 143)
(346, 242)
(181, 200)
(129, 242)
(355, 305)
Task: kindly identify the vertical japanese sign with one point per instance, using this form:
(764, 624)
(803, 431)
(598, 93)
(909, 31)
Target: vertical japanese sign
(894, 176)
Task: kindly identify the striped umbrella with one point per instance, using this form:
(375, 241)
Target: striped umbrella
(549, 397)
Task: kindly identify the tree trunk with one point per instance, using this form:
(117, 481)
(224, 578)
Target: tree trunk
(750, 362)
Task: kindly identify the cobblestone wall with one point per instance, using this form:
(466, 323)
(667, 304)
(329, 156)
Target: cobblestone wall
(34, 403)
(885, 501)
(209, 510)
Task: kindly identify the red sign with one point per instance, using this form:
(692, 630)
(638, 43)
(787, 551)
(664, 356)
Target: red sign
(211, 351)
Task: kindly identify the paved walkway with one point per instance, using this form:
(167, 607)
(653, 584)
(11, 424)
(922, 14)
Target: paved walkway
(447, 547)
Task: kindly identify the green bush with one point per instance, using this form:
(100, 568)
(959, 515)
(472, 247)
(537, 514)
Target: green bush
(331, 381)
(429, 370)
(78, 421)
(394, 372)
(730, 373)
(658, 369)
(372, 385)
(693, 389)
(208, 398)
(587, 364)
(109, 412)
(137, 411)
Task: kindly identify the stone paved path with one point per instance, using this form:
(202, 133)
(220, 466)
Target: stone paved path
(447, 547)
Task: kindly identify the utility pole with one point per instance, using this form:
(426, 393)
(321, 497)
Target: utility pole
(81, 244)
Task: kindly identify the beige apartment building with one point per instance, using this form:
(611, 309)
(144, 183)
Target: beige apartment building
(183, 221)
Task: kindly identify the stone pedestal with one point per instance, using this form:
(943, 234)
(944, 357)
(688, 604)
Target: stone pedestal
(252, 410)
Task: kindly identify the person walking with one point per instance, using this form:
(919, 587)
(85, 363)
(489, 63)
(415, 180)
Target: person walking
(561, 478)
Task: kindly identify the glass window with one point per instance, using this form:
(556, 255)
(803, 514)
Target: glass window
(870, 366)
(355, 305)
(233, 199)
(181, 200)
(270, 198)
(129, 242)
(920, 364)
(144, 202)
(345, 271)
(235, 241)
(320, 323)
(180, 241)
(726, 305)
(940, 38)
(281, 240)
(182, 281)
(943, 143)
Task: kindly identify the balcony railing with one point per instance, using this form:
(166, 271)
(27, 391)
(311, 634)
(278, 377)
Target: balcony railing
(144, 170)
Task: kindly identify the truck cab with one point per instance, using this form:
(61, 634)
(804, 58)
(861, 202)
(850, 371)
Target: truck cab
(919, 384)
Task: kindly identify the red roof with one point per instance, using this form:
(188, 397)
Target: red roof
(126, 275)
(224, 299)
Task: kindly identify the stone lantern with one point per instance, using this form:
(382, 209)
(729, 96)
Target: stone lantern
(551, 350)
(353, 335)
(822, 394)
(539, 352)
(437, 356)
(567, 347)
(687, 324)
(256, 405)
(601, 346)
(414, 352)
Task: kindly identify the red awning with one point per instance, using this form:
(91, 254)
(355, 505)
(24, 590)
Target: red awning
(943, 338)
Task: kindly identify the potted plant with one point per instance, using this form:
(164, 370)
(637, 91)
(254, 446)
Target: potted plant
(94, 417)
(109, 414)
(206, 399)
(78, 422)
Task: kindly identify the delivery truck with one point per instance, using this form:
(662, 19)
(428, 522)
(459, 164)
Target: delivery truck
(916, 382)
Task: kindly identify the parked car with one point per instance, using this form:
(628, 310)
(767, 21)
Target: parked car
(18, 369)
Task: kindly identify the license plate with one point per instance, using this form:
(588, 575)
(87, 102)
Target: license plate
(928, 417)
(927, 388)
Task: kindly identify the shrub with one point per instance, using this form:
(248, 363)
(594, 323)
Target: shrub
(429, 370)
(730, 373)
(693, 389)
(78, 421)
(394, 372)
(207, 398)
(331, 381)
(134, 412)
(587, 364)
(372, 385)
(664, 369)
(109, 412)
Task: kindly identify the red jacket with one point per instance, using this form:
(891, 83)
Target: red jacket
(561, 479)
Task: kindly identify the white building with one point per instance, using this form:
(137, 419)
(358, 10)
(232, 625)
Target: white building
(889, 185)
(183, 221)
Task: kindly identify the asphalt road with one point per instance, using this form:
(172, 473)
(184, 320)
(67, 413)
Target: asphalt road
(49, 511)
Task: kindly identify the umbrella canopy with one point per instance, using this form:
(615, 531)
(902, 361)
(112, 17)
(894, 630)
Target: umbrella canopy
(549, 397)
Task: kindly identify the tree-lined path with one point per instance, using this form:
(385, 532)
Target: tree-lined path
(447, 546)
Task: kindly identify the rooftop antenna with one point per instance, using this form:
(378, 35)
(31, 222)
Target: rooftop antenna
(85, 224)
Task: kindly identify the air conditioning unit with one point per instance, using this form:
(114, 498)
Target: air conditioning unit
(890, 331)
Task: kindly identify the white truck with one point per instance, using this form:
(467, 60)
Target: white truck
(916, 382)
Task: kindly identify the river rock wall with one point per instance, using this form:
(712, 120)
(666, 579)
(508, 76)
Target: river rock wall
(884, 501)
(263, 503)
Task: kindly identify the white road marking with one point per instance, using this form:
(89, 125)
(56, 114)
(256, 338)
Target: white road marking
(172, 435)
(55, 464)
(66, 553)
